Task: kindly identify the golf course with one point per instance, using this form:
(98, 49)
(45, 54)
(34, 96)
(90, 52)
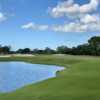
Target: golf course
(79, 81)
(49, 49)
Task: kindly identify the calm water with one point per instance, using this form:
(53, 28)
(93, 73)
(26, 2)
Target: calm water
(14, 75)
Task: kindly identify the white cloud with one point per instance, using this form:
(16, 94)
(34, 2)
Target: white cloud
(86, 23)
(89, 7)
(70, 8)
(43, 27)
(77, 27)
(86, 17)
(90, 18)
(35, 26)
(2, 17)
(28, 26)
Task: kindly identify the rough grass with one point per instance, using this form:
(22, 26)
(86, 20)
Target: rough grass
(79, 81)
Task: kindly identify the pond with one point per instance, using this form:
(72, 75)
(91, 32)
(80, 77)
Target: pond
(14, 75)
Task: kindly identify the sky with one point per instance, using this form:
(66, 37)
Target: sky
(48, 23)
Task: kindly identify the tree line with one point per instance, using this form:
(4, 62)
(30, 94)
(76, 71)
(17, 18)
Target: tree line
(92, 47)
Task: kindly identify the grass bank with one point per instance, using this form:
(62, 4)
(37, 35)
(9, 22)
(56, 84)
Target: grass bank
(80, 80)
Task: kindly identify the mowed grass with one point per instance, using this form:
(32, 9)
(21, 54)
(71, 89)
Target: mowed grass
(79, 81)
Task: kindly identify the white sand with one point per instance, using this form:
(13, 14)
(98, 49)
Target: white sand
(18, 55)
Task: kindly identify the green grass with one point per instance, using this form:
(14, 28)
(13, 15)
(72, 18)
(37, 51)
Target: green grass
(79, 81)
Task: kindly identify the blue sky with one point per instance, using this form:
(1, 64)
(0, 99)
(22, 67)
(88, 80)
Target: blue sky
(48, 23)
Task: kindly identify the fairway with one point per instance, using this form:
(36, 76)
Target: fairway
(79, 81)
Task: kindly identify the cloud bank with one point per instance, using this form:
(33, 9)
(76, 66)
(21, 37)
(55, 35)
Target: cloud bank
(69, 8)
(85, 18)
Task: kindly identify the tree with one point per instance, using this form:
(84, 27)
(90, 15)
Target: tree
(38, 51)
(5, 49)
(24, 51)
(63, 50)
(94, 42)
(84, 49)
(49, 51)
